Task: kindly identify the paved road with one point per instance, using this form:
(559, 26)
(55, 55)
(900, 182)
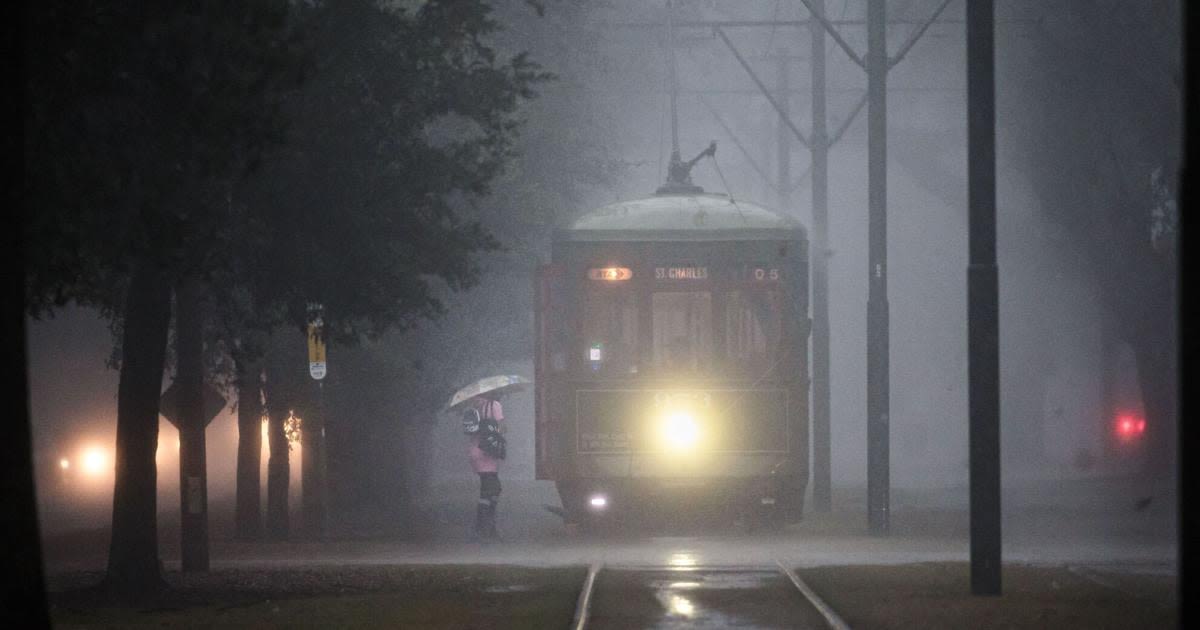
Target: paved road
(1087, 524)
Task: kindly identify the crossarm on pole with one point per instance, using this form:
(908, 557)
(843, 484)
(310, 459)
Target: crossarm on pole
(767, 93)
(849, 119)
(833, 32)
(916, 35)
(800, 180)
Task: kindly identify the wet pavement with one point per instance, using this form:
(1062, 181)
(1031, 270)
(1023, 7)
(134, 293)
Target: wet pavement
(684, 595)
(1077, 524)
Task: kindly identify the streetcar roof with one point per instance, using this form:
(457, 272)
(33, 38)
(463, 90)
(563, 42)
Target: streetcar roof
(682, 217)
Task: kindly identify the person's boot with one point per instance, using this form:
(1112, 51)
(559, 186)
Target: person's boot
(481, 520)
(490, 532)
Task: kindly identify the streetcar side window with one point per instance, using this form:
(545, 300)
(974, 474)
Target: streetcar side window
(753, 325)
(682, 324)
(610, 331)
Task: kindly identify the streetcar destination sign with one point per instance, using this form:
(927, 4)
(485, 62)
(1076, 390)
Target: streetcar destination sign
(681, 273)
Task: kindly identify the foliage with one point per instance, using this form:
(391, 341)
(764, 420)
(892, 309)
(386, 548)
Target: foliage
(407, 118)
(1099, 123)
(562, 158)
(139, 119)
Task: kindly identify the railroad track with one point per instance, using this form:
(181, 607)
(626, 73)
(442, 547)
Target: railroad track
(673, 596)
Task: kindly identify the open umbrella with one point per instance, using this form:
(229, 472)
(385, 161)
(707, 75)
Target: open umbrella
(502, 384)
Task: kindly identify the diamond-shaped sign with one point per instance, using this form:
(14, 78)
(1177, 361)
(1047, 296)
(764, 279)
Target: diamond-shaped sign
(214, 402)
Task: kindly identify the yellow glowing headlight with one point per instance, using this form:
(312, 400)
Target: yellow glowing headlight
(680, 431)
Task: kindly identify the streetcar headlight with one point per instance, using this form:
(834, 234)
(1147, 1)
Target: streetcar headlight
(598, 501)
(680, 431)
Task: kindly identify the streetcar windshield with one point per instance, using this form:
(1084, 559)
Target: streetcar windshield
(753, 326)
(683, 330)
(610, 331)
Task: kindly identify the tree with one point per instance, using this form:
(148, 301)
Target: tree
(22, 555)
(144, 123)
(139, 119)
(388, 392)
(1099, 102)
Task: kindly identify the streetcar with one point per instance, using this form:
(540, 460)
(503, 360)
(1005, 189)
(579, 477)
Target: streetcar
(671, 356)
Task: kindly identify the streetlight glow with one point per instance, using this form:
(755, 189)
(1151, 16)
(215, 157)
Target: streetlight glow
(94, 461)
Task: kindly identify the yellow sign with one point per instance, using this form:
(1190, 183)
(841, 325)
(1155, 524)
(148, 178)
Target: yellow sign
(316, 352)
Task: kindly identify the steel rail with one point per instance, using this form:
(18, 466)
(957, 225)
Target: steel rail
(834, 621)
(584, 604)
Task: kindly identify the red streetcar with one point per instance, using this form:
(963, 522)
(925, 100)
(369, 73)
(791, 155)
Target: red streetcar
(671, 359)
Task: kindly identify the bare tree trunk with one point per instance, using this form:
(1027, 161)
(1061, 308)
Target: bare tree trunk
(248, 509)
(192, 421)
(1156, 375)
(133, 563)
(277, 474)
(22, 552)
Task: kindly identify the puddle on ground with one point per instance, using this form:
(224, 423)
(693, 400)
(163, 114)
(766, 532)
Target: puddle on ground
(709, 598)
(687, 594)
(509, 588)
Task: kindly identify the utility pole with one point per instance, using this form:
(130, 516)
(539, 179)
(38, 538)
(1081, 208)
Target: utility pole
(784, 155)
(819, 147)
(983, 330)
(674, 80)
(876, 64)
(878, 446)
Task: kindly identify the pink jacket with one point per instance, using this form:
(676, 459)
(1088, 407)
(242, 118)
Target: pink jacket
(480, 461)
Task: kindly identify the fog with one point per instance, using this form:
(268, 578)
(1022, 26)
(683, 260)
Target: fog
(609, 105)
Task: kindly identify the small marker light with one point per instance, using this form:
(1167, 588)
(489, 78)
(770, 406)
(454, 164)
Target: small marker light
(610, 274)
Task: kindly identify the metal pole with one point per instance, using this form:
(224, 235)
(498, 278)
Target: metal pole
(983, 332)
(312, 489)
(784, 154)
(878, 473)
(674, 80)
(1186, 519)
(819, 145)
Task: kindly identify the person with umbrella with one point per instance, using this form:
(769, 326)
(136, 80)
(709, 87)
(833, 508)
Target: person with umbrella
(483, 421)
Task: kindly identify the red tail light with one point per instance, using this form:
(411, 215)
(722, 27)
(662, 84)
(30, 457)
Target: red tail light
(1129, 427)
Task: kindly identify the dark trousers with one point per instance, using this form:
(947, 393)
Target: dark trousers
(489, 485)
(489, 496)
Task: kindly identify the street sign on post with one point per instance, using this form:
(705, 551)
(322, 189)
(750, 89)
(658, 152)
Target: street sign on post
(168, 406)
(316, 342)
(313, 434)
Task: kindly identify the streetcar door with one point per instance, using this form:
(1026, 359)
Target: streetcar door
(551, 343)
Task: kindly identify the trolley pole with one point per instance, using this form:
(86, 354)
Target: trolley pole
(819, 146)
(878, 473)
(983, 331)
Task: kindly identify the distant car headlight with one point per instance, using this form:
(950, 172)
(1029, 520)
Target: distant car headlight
(95, 461)
(680, 431)
(598, 501)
